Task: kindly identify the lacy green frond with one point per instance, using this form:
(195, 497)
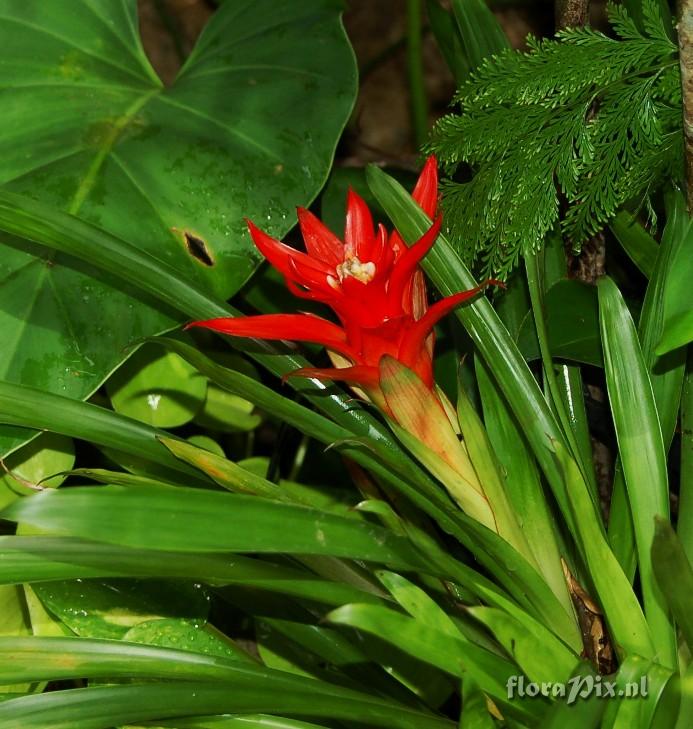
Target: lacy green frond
(581, 124)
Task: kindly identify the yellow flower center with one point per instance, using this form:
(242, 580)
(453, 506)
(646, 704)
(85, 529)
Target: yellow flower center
(363, 272)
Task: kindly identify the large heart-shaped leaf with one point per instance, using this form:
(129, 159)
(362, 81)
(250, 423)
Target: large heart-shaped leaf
(248, 128)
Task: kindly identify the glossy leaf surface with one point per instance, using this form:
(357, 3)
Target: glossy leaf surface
(214, 522)
(172, 170)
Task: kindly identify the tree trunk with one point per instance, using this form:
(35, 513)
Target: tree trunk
(685, 29)
(572, 13)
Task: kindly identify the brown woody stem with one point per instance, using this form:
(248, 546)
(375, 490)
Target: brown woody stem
(572, 13)
(685, 29)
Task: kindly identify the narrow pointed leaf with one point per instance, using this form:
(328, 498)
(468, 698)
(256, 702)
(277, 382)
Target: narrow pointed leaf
(34, 658)
(482, 457)
(246, 721)
(46, 559)
(226, 473)
(470, 500)
(475, 707)
(481, 34)
(447, 37)
(540, 655)
(418, 603)
(456, 656)
(522, 482)
(493, 340)
(582, 712)
(32, 408)
(641, 448)
(666, 372)
(640, 246)
(639, 686)
(214, 522)
(678, 314)
(101, 706)
(629, 629)
(674, 575)
(510, 570)
(685, 525)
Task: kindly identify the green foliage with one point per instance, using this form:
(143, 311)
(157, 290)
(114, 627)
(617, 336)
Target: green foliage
(89, 128)
(587, 119)
(198, 578)
(383, 615)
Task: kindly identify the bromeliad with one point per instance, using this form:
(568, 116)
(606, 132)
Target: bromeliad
(383, 343)
(372, 282)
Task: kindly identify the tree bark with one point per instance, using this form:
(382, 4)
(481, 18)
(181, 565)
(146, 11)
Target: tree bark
(685, 29)
(588, 266)
(572, 13)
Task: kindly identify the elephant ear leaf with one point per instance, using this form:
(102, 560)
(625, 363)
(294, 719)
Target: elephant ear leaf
(89, 128)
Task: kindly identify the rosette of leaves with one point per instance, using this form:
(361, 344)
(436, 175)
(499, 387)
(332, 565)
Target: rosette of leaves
(574, 128)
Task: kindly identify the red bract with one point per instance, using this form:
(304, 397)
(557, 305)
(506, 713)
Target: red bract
(371, 281)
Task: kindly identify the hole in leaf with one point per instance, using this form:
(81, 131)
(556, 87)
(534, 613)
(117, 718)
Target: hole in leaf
(197, 248)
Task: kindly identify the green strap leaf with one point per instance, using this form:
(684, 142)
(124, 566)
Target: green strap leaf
(674, 575)
(523, 483)
(493, 340)
(639, 685)
(151, 517)
(666, 372)
(454, 655)
(629, 629)
(25, 406)
(640, 246)
(539, 654)
(677, 329)
(447, 37)
(418, 603)
(582, 712)
(248, 691)
(685, 524)
(33, 659)
(46, 559)
(641, 448)
(483, 458)
(247, 721)
(480, 32)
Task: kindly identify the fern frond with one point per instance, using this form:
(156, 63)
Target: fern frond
(573, 119)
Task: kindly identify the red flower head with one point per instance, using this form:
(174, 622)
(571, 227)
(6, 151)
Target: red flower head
(371, 281)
